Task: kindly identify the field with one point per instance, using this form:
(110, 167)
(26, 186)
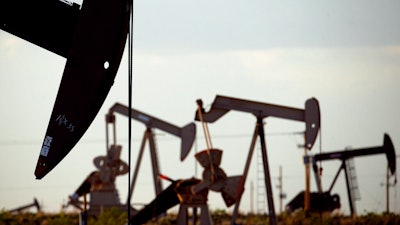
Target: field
(219, 217)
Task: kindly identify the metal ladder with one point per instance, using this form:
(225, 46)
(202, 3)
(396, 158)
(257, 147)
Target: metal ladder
(260, 184)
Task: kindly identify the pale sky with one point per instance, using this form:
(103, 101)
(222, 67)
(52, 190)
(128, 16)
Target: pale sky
(344, 53)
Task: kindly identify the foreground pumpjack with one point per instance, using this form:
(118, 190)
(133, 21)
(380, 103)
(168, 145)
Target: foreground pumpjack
(91, 37)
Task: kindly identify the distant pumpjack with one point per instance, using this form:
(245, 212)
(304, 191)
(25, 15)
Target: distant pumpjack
(21, 208)
(186, 133)
(319, 202)
(100, 184)
(345, 155)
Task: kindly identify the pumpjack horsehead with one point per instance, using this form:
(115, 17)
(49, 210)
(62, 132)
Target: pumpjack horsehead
(92, 38)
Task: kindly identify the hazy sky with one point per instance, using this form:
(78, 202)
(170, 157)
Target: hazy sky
(344, 53)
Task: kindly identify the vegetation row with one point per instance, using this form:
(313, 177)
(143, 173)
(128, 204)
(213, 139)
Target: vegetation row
(219, 217)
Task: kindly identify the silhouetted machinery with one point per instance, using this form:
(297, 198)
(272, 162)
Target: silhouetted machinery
(22, 208)
(325, 201)
(310, 115)
(100, 184)
(320, 202)
(186, 133)
(193, 193)
(92, 38)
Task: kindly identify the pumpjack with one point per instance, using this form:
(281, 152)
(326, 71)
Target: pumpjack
(310, 115)
(100, 184)
(21, 208)
(186, 134)
(91, 37)
(325, 201)
(193, 192)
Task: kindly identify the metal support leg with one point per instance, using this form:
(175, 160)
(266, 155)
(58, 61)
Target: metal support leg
(245, 172)
(271, 207)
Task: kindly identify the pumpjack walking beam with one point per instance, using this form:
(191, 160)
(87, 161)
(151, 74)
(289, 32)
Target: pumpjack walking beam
(387, 148)
(186, 133)
(310, 115)
(34, 204)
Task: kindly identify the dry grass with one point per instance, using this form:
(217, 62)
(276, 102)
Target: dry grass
(219, 217)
